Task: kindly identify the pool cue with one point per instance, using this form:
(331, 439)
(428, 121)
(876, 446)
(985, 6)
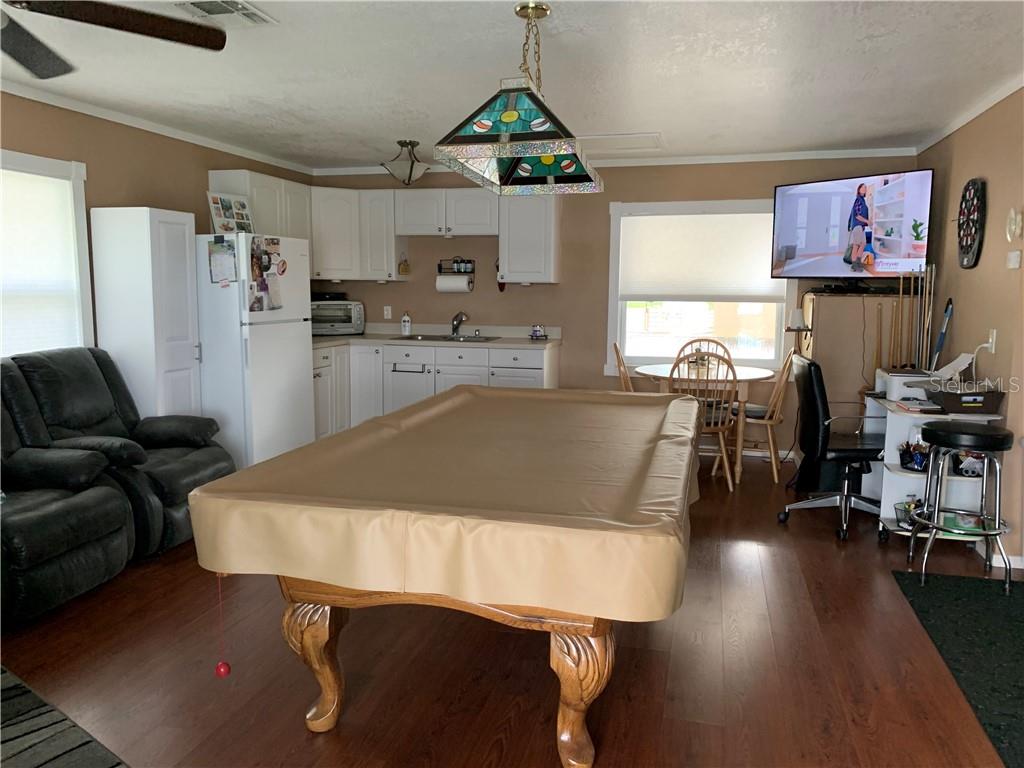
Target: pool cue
(946, 317)
(899, 332)
(892, 334)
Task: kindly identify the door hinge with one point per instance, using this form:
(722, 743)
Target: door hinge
(199, 352)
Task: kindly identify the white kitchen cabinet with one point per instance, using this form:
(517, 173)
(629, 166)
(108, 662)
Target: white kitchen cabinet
(380, 251)
(470, 212)
(448, 376)
(408, 375)
(143, 268)
(447, 212)
(324, 405)
(340, 360)
(524, 378)
(277, 206)
(335, 234)
(528, 239)
(419, 212)
(365, 383)
(298, 210)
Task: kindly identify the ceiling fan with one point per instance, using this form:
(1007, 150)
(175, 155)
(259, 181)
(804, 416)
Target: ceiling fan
(43, 62)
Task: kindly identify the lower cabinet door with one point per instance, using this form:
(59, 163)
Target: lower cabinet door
(405, 384)
(448, 376)
(323, 401)
(340, 363)
(523, 378)
(365, 367)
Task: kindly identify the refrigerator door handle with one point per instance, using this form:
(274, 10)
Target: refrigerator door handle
(199, 352)
(245, 353)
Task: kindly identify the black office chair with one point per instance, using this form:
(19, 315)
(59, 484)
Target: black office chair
(819, 444)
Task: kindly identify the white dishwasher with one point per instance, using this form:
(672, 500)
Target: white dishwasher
(408, 375)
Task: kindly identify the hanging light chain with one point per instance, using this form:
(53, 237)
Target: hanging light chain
(532, 30)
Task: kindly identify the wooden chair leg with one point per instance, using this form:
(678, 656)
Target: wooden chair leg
(773, 453)
(725, 460)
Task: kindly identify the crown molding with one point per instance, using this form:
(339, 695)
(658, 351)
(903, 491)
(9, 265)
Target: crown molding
(368, 170)
(65, 102)
(756, 157)
(988, 100)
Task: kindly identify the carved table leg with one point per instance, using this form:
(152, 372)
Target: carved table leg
(312, 632)
(583, 665)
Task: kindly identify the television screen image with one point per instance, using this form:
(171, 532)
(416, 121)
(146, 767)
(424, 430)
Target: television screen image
(867, 226)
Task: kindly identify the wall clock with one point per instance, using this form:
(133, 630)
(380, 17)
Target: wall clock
(970, 222)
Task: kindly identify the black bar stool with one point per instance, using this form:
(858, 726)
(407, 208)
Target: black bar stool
(947, 438)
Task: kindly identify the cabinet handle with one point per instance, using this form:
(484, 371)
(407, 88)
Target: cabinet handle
(439, 229)
(501, 277)
(436, 370)
(448, 229)
(430, 371)
(316, 375)
(376, 351)
(460, 357)
(492, 373)
(389, 275)
(406, 354)
(317, 274)
(515, 359)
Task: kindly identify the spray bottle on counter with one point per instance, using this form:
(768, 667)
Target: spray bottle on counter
(406, 324)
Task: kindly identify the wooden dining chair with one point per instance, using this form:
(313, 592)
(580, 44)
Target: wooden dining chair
(769, 415)
(711, 379)
(624, 381)
(704, 345)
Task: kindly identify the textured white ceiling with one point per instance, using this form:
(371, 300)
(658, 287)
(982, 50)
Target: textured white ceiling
(336, 83)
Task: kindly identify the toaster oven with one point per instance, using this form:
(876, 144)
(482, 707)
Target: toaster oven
(338, 318)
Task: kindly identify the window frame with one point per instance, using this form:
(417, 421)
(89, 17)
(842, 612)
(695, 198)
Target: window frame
(75, 173)
(617, 317)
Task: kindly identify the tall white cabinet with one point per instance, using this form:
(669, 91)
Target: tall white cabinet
(279, 206)
(143, 268)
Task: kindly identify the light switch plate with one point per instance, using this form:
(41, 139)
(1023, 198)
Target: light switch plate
(1013, 260)
(387, 311)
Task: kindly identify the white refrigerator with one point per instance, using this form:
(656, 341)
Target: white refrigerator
(256, 367)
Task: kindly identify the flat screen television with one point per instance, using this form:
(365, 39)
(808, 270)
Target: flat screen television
(861, 227)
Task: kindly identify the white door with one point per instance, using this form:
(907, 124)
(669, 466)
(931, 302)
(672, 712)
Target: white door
(471, 212)
(365, 382)
(340, 362)
(528, 239)
(297, 210)
(448, 376)
(324, 405)
(266, 196)
(335, 233)
(377, 234)
(406, 383)
(419, 212)
(523, 378)
(173, 243)
(279, 388)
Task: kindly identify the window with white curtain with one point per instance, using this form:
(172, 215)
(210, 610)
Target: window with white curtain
(45, 299)
(679, 271)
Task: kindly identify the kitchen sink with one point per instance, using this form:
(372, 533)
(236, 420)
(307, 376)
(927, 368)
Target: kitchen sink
(443, 337)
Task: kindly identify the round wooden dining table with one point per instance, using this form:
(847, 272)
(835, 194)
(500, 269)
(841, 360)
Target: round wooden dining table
(745, 374)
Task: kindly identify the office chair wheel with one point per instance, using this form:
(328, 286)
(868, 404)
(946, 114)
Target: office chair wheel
(783, 516)
(842, 534)
(883, 535)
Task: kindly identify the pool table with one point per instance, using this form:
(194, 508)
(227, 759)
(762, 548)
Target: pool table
(552, 510)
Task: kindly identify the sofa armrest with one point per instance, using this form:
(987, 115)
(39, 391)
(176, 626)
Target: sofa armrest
(67, 468)
(120, 451)
(172, 431)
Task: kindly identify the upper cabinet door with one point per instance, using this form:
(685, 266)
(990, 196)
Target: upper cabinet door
(266, 196)
(335, 241)
(471, 212)
(297, 210)
(528, 239)
(377, 234)
(419, 212)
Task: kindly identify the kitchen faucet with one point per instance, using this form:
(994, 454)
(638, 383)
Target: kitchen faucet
(457, 322)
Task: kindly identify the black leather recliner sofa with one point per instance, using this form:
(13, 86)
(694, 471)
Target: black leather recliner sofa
(76, 398)
(65, 527)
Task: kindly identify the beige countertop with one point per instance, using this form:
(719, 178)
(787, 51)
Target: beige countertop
(389, 338)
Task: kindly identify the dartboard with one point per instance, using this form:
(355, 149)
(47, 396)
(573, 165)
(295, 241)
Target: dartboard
(970, 223)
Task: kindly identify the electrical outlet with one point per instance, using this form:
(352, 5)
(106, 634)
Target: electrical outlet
(1013, 260)
(387, 311)
(992, 340)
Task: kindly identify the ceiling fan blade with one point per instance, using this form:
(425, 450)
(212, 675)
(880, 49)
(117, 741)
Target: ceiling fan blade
(31, 52)
(129, 20)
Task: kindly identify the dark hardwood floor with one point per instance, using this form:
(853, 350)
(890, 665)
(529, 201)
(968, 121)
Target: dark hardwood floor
(790, 649)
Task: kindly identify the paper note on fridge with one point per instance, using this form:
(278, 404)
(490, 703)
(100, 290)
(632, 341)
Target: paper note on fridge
(954, 368)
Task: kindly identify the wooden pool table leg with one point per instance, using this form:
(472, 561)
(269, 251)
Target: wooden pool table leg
(583, 664)
(312, 630)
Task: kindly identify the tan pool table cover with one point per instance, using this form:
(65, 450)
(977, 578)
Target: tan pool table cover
(569, 500)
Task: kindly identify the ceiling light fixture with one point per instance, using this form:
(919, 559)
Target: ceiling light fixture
(408, 169)
(513, 144)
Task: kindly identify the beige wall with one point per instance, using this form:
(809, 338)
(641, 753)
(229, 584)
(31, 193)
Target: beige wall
(989, 296)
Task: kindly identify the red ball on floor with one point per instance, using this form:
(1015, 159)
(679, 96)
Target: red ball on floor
(223, 669)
